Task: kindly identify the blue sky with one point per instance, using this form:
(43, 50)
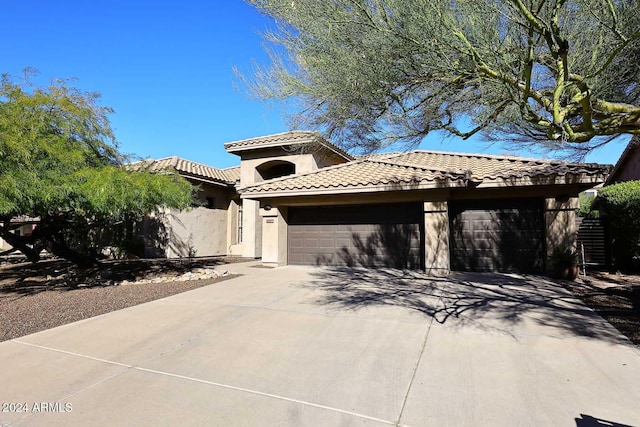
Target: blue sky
(166, 67)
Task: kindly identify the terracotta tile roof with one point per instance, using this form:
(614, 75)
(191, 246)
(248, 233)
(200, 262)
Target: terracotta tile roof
(284, 139)
(360, 173)
(491, 167)
(373, 156)
(232, 173)
(188, 168)
(425, 168)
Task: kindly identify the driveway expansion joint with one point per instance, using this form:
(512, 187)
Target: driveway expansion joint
(128, 367)
(417, 364)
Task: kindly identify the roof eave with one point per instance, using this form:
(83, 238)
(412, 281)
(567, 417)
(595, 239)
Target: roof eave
(566, 179)
(231, 149)
(237, 147)
(392, 186)
(206, 180)
(547, 179)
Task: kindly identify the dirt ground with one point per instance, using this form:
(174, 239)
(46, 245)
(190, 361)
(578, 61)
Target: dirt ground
(35, 297)
(615, 297)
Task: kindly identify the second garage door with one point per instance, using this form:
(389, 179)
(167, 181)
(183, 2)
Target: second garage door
(502, 235)
(381, 235)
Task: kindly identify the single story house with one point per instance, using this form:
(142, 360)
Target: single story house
(298, 199)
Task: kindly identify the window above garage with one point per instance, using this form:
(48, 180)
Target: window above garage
(276, 169)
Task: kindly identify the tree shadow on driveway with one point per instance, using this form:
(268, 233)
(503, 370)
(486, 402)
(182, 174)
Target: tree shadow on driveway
(513, 304)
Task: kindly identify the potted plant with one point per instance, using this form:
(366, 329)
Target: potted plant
(565, 263)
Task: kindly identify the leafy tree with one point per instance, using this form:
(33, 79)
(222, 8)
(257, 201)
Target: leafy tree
(561, 73)
(60, 165)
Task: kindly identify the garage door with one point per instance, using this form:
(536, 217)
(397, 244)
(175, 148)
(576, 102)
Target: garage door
(506, 235)
(382, 235)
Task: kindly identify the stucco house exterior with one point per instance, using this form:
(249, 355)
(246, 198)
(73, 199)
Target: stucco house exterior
(298, 199)
(628, 166)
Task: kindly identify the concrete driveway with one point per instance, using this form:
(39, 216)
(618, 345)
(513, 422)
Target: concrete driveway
(305, 346)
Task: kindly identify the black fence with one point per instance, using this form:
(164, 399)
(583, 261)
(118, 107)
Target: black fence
(594, 242)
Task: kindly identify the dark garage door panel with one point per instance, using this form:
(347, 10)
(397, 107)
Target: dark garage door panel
(497, 236)
(329, 245)
(371, 235)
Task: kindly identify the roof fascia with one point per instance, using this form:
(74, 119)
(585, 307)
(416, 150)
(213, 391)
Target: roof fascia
(206, 181)
(301, 141)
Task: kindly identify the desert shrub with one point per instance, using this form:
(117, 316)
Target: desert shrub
(620, 205)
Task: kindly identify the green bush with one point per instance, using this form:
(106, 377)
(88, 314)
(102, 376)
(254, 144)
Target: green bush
(586, 207)
(620, 205)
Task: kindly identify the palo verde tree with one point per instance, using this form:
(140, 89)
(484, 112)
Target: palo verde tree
(561, 73)
(60, 166)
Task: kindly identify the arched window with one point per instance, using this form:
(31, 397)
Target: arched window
(276, 169)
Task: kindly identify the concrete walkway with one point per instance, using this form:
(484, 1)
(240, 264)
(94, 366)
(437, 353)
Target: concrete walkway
(321, 347)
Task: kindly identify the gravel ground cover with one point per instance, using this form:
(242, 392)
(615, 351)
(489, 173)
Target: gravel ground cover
(53, 293)
(615, 297)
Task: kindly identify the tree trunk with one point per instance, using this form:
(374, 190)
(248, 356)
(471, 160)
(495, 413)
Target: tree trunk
(53, 242)
(60, 248)
(19, 244)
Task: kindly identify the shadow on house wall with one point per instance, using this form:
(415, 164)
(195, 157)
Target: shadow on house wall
(161, 241)
(150, 237)
(389, 245)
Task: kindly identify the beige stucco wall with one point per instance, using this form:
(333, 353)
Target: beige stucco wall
(251, 229)
(560, 221)
(197, 232)
(270, 242)
(221, 195)
(4, 245)
(235, 250)
(250, 161)
(436, 232)
(304, 161)
(274, 236)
